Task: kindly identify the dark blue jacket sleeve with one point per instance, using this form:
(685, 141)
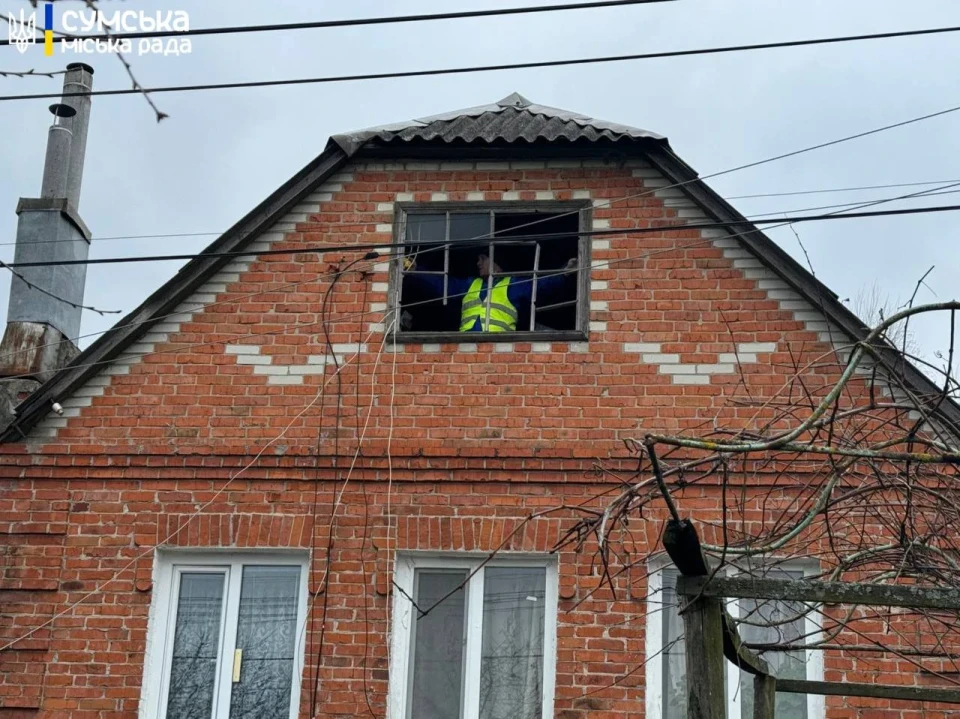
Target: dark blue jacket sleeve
(521, 288)
(433, 284)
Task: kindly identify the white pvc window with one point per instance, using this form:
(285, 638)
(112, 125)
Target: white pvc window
(472, 642)
(762, 621)
(225, 637)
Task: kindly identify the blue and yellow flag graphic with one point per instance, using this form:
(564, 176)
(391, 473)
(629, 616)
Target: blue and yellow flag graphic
(48, 29)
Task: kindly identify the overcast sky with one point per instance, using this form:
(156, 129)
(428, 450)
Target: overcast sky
(222, 152)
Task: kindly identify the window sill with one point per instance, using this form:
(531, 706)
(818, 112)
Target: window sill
(483, 337)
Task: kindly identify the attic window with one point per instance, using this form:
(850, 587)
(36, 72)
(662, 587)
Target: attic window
(507, 271)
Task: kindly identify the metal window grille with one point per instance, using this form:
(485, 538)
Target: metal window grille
(534, 275)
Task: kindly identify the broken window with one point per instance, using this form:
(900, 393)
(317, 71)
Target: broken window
(496, 270)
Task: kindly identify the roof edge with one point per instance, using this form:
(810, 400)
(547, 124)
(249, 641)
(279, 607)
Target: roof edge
(794, 274)
(162, 302)
(339, 149)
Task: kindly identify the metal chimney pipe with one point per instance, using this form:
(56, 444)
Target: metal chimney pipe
(57, 162)
(79, 78)
(44, 312)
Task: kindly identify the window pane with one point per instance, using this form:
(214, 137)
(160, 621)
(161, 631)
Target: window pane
(469, 227)
(555, 252)
(511, 664)
(438, 643)
(673, 657)
(783, 624)
(196, 642)
(426, 228)
(267, 633)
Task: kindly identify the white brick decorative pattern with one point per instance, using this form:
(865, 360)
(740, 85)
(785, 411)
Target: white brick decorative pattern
(744, 260)
(307, 210)
(699, 373)
(291, 374)
(766, 279)
(205, 295)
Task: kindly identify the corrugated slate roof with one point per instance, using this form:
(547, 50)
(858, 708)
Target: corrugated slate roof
(512, 119)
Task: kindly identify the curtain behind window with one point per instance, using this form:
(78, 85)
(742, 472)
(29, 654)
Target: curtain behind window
(511, 669)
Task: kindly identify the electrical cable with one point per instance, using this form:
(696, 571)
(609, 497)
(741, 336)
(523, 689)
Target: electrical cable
(53, 295)
(291, 285)
(324, 322)
(926, 193)
(120, 237)
(720, 173)
(304, 325)
(394, 247)
(180, 313)
(487, 68)
(775, 158)
(351, 22)
(837, 189)
(732, 197)
(465, 243)
(177, 235)
(99, 588)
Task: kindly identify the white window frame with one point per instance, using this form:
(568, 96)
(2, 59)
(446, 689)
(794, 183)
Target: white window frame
(402, 624)
(168, 567)
(654, 638)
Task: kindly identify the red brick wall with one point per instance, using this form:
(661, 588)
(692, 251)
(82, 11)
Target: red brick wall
(89, 663)
(679, 292)
(479, 440)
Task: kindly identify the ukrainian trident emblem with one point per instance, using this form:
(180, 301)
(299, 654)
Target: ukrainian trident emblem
(22, 32)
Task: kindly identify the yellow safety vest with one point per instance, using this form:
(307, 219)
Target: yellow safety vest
(503, 315)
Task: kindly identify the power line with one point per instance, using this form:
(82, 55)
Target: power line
(467, 243)
(441, 218)
(33, 286)
(927, 193)
(489, 68)
(165, 235)
(336, 273)
(303, 325)
(836, 189)
(699, 243)
(170, 235)
(647, 192)
(354, 22)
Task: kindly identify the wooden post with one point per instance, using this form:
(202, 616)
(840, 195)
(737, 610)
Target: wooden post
(703, 636)
(764, 696)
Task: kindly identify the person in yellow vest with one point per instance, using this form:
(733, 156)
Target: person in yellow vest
(506, 296)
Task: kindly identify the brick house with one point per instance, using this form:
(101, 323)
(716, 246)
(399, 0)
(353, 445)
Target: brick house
(264, 471)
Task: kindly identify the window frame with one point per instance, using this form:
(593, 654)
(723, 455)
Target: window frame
(580, 333)
(402, 625)
(168, 567)
(653, 692)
